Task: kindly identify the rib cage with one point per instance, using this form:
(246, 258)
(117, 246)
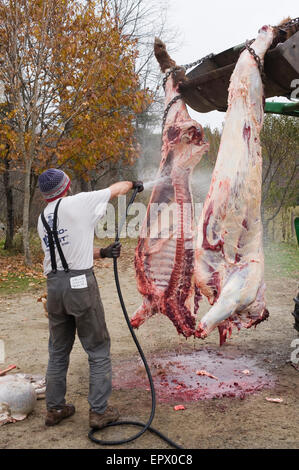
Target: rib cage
(165, 266)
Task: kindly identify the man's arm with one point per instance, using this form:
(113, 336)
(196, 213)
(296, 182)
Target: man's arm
(96, 253)
(120, 188)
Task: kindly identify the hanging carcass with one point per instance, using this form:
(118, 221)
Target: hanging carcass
(229, 266)
(164, 258)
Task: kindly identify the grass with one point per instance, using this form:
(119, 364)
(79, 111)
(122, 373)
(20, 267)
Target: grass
(13, 283)
(15, 277)
(281, 260)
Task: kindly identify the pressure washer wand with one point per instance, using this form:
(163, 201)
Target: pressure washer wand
(121, 224)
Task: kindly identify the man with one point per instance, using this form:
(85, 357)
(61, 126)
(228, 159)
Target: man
(66, 228)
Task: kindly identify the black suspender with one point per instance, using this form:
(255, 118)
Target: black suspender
(53, 236)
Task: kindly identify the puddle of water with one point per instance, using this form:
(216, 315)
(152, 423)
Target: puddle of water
(175, 378)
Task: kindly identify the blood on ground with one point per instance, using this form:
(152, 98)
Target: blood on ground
(176, 381)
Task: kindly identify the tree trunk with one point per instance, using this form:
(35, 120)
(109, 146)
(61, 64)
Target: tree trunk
(9, 207)
(84, 185)
(33, 184)
(26, 209)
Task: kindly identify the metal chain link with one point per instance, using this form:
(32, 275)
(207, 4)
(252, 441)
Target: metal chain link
(255, 56)
(185, 67)
(197, 62)
(248, 43)
(175, 69)
(170, 71)
(288, 25)
(174, 100)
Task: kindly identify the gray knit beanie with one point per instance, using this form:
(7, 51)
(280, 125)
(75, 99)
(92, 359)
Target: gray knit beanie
(53, 184)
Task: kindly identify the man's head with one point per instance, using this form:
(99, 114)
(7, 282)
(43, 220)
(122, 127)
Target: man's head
(53, 184)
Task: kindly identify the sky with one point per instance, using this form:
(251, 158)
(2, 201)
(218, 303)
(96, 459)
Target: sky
(214, 26)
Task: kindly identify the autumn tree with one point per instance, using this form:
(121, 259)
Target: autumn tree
(7, 139)
(142, 20)
(280, 150)
(70, 87)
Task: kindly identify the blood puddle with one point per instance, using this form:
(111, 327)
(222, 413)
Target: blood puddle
(175, 377)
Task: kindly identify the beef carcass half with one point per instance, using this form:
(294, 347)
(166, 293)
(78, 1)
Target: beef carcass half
(164, 257)
(229, 266)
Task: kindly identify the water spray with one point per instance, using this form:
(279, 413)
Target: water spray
(150, 184)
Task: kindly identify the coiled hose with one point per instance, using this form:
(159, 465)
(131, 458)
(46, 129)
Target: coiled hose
(145, 426)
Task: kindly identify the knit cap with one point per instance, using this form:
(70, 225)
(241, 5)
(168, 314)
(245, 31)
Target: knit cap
(53, 184)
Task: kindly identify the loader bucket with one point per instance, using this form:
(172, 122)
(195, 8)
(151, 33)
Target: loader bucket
(206, 87)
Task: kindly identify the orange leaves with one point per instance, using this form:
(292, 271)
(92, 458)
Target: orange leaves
(14, 266)
(87, 95)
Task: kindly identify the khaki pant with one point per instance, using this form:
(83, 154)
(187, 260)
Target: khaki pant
(80, 310)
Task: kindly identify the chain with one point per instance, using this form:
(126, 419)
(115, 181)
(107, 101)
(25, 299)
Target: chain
(255, 56)
(174, 100)
(170, 71)
(175, 69)
(284, 27)
(185, 67)
(288, 25)
(248, 43)
(197, 62)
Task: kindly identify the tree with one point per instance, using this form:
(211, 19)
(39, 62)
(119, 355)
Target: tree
(70, 85)
(142, 20)
(280, 150)
(7, 139)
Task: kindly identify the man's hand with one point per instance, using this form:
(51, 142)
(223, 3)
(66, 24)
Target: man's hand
(111, 251)
(138, 185)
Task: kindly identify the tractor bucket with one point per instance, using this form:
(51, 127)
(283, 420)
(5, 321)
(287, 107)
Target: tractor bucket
(207, 86)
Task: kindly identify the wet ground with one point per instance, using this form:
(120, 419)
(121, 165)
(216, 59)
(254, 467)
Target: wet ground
(189, 377)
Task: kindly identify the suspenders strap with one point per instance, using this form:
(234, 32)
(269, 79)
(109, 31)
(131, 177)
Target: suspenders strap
(53, 235)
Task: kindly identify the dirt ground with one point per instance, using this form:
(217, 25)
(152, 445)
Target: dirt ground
(227, 422)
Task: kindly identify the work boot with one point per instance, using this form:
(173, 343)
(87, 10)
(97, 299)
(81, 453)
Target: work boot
(100, 420)
(55, 416)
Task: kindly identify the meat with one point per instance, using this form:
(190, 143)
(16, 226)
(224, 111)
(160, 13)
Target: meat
(229, 266)
(164, 258)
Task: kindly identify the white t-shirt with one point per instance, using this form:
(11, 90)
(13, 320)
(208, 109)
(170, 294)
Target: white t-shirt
(77, 217)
